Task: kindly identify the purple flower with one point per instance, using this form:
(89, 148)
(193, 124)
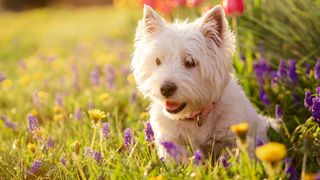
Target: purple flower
(63, 161)
(292, 71)
(173, 150)
(33, 124)
(105, 130)
(261, 70)
(282, 69)
(317, 69)
(307, 68)
(35, 167)
(9, 124)
(274, 78)
(2, 77)
(133, 98)
(36, 99)
(149, 134)
(78, 114)
(97, 156)
(94, 76)
(315, 111)
(259, 142)
(128, 140)
(289, 169)
(110, 76)
(224, 162)
(59, 99)
(278, 111)
(308, 99)
(264, 96)
(50, 143)
(197, 156)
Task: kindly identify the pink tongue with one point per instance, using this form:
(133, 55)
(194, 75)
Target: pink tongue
(171, 105)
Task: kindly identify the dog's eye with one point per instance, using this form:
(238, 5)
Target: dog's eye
(189, 62)
(158, 62)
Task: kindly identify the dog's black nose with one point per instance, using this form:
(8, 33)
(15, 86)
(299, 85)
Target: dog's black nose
(168, 88)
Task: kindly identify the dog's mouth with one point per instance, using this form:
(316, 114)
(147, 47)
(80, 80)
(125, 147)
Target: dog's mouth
(174, 107)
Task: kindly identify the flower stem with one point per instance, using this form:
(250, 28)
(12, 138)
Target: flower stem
(304, 164)
(101, 135)
(235, 29)
(93, 137)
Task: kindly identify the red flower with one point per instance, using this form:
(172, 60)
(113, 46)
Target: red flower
(150, 3)
(233, 7)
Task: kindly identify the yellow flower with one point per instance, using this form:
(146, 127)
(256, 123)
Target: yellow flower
(6, 84)
(144, 116)
(271, 152)
(35, 112)
(57, 109)
(131, 80)
(31, 147)
(96, 115)
(103, 97)
(24, 80)
(58, 118)
(42, 95)
(309, 176)
(157, 178)
(240, 129)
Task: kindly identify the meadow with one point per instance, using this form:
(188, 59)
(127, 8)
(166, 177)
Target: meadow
(58, 63)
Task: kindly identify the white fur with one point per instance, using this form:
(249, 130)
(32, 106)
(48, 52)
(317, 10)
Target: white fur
(210, 81)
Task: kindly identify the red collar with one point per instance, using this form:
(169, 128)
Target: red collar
(200, 115)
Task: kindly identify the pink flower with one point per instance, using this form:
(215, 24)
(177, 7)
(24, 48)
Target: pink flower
(233, 7)
(150, 3)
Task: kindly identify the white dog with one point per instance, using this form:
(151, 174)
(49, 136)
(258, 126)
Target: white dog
(185, 69)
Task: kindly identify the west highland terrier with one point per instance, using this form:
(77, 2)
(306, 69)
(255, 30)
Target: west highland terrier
(185, 69)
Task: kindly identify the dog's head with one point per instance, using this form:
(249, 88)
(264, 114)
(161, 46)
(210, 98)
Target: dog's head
(183, 66)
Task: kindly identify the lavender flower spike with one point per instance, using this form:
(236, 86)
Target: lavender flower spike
(33, 124)
(308, 100)
(149, 134)
(105, 130)
(63, 161)
(9, 124)
(94, 76)
(315, 112)
(264, 96)
(35, 167)
(197, 156)
(289, 169)
(317, 69)
(292, 71)
(128, 140)
(173, 150)
(224, 162)
(50, 143)
(278, 111)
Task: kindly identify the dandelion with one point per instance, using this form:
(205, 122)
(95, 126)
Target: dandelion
(128, 140)
(96, 115)
(292, 71)
(105, 130)
(149, 134)
(31, 147)
(224, 162)
(308, 100)
(35, 167)
(317, 69)
(271, 152)
(240, 130)
(278, 111)
(197, 156)
(33, 124)
(50, 143)
(264, 96)
(63, 161)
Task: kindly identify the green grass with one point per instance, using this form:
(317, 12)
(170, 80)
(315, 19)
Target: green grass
(55, 50)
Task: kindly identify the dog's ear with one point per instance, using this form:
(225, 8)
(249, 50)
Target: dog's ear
(151, 21)
(214, 25)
